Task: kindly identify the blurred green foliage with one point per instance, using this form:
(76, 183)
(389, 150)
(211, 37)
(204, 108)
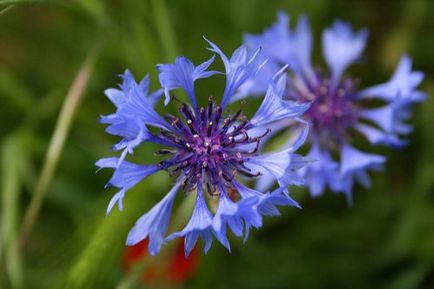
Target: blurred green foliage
(386, 240)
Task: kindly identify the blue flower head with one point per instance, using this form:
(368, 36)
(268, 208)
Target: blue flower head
(207, 151)
(339, 108)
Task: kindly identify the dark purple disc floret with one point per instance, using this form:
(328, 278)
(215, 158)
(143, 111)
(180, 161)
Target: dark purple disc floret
(209, 148)
(333, 107)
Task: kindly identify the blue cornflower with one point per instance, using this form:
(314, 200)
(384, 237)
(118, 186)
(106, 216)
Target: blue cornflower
(339, 108)
(207, 151)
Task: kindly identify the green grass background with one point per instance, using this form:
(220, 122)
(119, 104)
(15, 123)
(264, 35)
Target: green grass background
(386, 240)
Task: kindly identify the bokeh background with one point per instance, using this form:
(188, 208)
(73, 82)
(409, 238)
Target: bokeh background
(56, 59)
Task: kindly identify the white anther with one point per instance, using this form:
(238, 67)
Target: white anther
(323, 90)
(323, 108)
(310, 96)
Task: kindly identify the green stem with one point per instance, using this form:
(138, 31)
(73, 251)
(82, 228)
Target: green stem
(56, 145)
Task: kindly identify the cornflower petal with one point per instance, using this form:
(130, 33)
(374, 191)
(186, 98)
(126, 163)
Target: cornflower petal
(282, 165)
(242, 65)
(183, 74)
(274, 107)
(376, 136)
(402, 84)
(154, 223)
(267, 202)
(227, 215)
(383, 117)
(200, 225)
(353, 160)
(321, 172)
(275, 41)
(133, 132)
(342, 47)
(257, 85)
(125, 176)
(302, 49)
(133, 101)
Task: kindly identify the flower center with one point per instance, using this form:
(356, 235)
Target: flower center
(333, 109)
(208, 148)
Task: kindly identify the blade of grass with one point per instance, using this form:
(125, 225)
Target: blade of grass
(164, 29)
(56, 145)
(130, 280)
(105, 242)
(98, 256)
(12, 155)
(105, 239)
(4, 10)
